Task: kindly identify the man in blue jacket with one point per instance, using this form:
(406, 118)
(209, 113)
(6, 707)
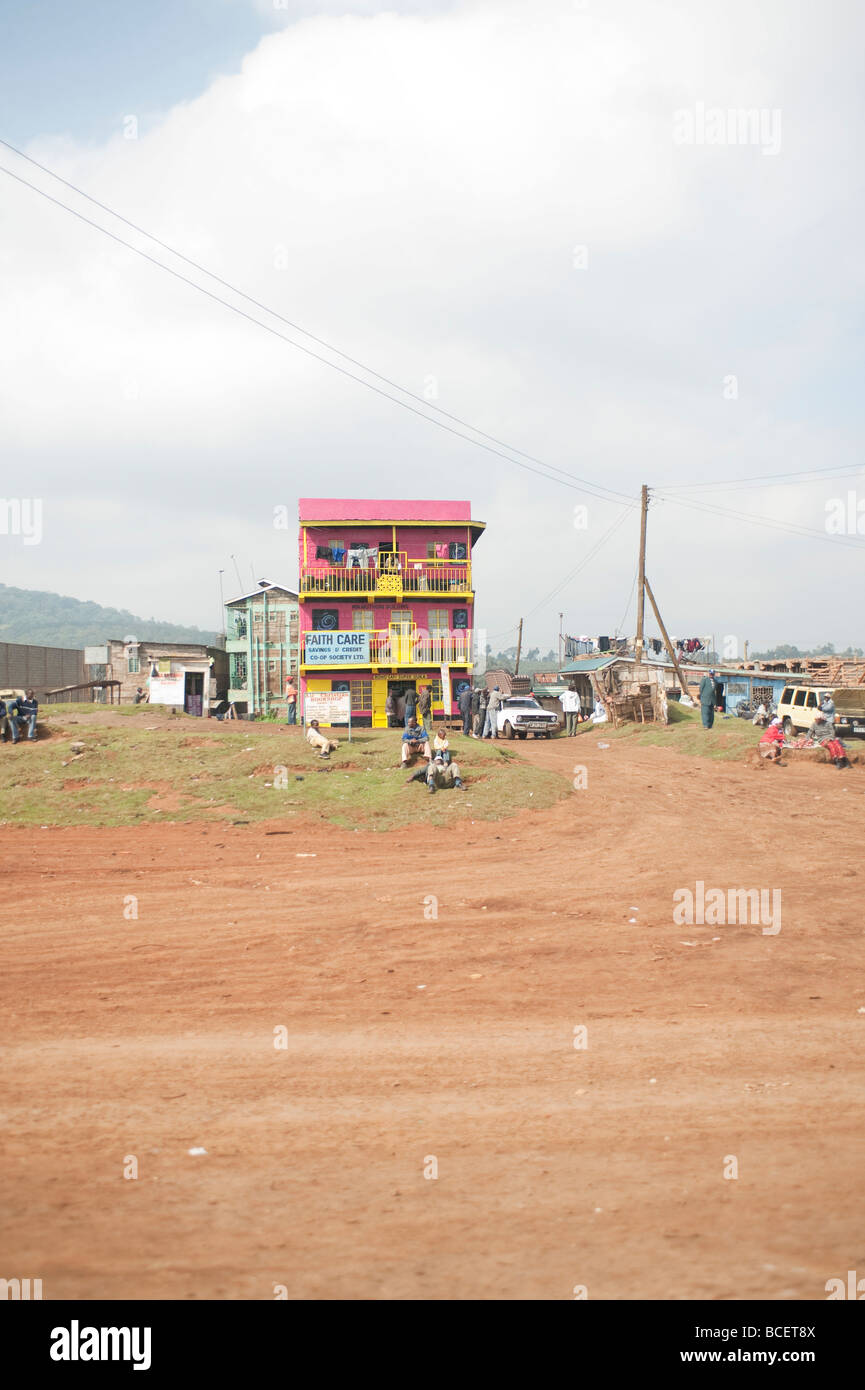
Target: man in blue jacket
(28, 708)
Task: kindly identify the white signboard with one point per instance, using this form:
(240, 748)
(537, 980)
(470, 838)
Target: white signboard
(328, 706)
(167, 689)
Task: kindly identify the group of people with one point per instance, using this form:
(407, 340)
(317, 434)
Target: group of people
(440, 770)
(16, 712)
(478, 709)
(822, 734)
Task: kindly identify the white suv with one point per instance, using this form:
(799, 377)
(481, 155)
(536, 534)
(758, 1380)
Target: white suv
(520, 714)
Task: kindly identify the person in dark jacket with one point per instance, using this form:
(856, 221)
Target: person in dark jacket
(708, 696)
(464, 705)
(29, 708)
(424, 705)
(476, 713)
(410, 703)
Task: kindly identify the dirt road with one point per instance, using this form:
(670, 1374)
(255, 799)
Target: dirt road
(417, 1042)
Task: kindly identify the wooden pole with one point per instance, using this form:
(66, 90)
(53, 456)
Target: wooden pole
(519, 649)
(641, 579)
(670, 648)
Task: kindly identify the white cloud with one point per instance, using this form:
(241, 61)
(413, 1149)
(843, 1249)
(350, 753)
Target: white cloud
(412, 188)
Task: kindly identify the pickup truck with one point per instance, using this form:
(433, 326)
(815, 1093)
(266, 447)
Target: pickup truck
(520, 715)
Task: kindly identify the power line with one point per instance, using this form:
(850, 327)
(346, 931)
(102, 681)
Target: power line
(766, 480)
(593, 489)
(573, 574)
(792, 527)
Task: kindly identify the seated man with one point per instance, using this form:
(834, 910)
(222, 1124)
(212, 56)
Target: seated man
(772, 741)
(414, 740)
(29, 708)
(438, 773)
(823, 732)
(11, 717)
(4, 721)
(315, 739)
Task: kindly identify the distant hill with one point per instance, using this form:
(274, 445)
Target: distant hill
(51, 620)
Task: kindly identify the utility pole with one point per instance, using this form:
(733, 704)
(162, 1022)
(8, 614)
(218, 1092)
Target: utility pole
(221, 627)
(519, 649)
(641, 579)
(561, 657)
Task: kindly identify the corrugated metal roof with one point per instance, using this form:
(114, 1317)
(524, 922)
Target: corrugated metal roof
(591, 663)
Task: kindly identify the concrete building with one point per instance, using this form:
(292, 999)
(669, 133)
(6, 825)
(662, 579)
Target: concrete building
(386, 601)
(261, 642)
(187, 675)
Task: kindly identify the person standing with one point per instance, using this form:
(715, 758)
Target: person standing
(424, 705)
(482, 711)
(291, 701)
(390, 710)
(476, 713)
(410, 696)
(707, 700)
(491, 721)
(570, 706)
(827, 706)
(464, 705)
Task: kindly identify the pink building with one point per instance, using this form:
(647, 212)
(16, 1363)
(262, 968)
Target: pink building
(386, 601)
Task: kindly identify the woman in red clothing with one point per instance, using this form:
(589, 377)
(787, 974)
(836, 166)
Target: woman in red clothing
(772, 741)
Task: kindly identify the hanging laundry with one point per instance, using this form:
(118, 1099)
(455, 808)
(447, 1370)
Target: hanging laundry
(457, 550)
(338, 554)
(441, 550)
(323, 552)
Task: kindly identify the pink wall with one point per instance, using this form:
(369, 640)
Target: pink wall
(419, 610)
(413, 540)
(380, 509)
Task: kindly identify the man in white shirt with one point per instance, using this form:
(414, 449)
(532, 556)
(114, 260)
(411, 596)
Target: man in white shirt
(570, 709)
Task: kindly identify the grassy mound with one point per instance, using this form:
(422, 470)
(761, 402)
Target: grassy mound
(141, 765)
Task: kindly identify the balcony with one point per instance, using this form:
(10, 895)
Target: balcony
(393, 648)
(388, 576)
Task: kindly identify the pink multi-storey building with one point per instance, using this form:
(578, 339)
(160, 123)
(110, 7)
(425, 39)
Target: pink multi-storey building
(386, 601)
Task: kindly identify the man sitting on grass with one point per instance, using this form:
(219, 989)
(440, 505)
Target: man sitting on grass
(439, 774)
(315, 739)
(414, 740)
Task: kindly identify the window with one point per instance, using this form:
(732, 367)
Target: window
(362, 619)
(361, 696)
(133, 665)
(272, 665)
(430, 550)
(401, 618)
(439, 625)
(325, 619)
(811, 701)
(787, 696)
(799, 699)
(436, 684)
(461, 617)
(237, 663)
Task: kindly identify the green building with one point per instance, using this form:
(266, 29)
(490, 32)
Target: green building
(261, 641)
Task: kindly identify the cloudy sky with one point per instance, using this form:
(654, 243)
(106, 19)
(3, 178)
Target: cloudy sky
(545, 219)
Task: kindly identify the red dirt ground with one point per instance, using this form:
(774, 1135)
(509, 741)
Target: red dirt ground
(557, 1167)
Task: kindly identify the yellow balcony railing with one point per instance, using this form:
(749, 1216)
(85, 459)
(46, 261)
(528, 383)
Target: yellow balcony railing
(395, 647)
(388, 576)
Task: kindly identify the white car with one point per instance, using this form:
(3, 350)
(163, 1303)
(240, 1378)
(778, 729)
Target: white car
(520, 715)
